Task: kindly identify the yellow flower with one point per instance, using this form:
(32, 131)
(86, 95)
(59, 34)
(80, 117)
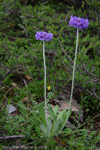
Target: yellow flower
(48, 87)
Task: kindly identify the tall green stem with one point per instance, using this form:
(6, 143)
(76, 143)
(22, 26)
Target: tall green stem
(73, 76)
(44, 76)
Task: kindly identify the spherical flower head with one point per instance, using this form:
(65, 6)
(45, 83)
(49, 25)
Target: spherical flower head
(78, 22)
(43, 36)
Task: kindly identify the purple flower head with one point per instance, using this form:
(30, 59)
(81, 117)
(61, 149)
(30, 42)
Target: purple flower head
(78, 22)
(43, 36)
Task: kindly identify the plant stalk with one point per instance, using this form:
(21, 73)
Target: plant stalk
(44, 78)
(73, 76)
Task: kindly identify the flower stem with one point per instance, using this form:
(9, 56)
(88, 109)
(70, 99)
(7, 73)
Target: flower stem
(73, 76)
(44, 76)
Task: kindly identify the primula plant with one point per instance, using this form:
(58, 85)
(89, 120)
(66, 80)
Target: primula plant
(44, 36)
(79, 23)
(53, 124)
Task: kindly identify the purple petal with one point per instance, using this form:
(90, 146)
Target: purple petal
(78, 22)
(43, 36)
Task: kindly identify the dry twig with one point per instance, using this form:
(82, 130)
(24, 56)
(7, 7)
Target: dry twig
(12, 137)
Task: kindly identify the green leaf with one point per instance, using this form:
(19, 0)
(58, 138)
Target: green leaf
(42, 115)
(51, 112)
(49, 125)
(56, 110)
(55, 127)
(61, 114)
(80, 144)
(64, 119)
(37, 130)
(22, 107)
(44, 129)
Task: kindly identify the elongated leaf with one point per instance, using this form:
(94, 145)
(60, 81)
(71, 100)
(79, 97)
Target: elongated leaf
(37, 129)
(44, 129)
(55, 127)
(51, 112)
(64, 119)
(42, 115)
(49, 125)
(61, 114)
(22, 107)
(56, 110)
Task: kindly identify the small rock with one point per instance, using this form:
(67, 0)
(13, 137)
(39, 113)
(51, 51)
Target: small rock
(11, 108)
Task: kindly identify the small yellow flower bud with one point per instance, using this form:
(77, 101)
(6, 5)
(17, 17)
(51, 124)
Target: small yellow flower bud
(48, 87)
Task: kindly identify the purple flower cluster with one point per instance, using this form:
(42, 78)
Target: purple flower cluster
(43, 36)
(78, 22)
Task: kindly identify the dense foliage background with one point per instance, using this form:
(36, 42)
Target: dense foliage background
(21, 64)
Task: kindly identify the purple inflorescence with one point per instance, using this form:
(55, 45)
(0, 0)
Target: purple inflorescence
(78, 22)
(43, 36)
